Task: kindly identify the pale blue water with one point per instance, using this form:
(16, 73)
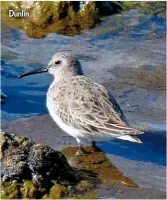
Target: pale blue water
(138, 40)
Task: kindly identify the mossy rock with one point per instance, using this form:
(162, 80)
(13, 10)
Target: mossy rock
(45, 17)
(62, 17)
(98, 165)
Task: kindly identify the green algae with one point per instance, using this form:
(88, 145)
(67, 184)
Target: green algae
(31, 190)
(28, 189)
(10, 190)
(83, 190)
(89, 16)
(56, 192)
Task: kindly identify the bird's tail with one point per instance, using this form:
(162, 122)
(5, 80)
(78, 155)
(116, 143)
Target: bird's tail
(131, 138)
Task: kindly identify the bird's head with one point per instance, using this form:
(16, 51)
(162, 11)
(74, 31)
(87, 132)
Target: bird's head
(60, 66)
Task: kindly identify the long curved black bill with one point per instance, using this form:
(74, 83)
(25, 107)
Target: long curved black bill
(37, 71)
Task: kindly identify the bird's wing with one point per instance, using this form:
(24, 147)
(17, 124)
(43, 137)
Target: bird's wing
(115, 104)
(90, 109)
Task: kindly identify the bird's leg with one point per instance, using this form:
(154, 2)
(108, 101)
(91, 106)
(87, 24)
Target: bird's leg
(80, 148)
(95, 148)
(94, 144)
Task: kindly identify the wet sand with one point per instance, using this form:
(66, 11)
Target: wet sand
(150, 177)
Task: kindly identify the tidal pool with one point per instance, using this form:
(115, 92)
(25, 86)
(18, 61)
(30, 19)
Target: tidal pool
(126, 53)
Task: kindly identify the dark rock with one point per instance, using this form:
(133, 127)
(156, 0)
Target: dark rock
(108, 7)
(22, 159)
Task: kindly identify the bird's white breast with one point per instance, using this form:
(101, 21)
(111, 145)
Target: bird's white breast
(53, 111)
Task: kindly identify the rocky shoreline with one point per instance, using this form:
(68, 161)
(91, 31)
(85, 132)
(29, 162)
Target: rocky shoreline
(35, 170)
(43, 130)
(38, 19)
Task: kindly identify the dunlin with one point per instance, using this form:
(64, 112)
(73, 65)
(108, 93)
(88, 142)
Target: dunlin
(82, 108)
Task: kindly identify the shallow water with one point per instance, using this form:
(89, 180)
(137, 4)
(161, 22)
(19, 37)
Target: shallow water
(123, 52)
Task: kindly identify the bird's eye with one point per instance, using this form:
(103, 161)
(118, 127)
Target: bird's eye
(58, 62)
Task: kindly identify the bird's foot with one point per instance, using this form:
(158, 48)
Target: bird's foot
(81, 151)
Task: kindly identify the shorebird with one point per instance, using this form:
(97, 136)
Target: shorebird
(82, 108)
